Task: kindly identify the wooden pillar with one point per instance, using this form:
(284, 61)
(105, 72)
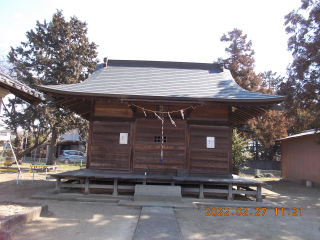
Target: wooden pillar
(58, 184)
(144, 182)
(230, 140)
(86, 187)
(115, 187)
(230, 198)
(201, 191)
(173, 183)
(89, 143)
(259, 195)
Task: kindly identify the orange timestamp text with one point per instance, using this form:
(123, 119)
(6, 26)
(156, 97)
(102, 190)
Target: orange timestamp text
(257, 212)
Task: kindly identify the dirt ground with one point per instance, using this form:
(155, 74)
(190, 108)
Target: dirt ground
(196, 225)
(87, 220)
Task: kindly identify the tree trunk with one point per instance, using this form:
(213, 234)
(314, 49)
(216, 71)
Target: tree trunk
(52, 148)
(18, 146)
(30, 149)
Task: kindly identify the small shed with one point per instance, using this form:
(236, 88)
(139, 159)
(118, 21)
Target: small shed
(300, 157)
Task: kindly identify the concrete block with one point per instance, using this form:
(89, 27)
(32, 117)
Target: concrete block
(157, 193)
(308, 183)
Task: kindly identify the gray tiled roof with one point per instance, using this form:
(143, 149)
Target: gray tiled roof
(162, 80)
(21, 90)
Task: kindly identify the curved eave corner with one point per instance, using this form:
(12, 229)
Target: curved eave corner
(21, 90)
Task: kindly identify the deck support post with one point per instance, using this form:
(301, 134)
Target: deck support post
(230, 198)
(86, 187)
(58, 183)
(173, 183)
(144, 182)
(259, 195)
(115, 187)
(201, 191)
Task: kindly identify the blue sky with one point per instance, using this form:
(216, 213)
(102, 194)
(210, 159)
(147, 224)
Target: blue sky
(162, 30)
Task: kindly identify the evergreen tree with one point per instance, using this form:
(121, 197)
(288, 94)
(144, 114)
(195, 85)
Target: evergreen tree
(272, 125)
(270, 82)
(58, 52)
(299, 118)
(303, 86)
(240, 152)
(241, 60)
(21, 115)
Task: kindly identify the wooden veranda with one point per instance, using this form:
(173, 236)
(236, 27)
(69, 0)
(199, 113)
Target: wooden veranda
(125, 182)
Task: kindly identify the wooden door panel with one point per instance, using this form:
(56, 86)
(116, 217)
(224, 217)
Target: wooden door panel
(106, 151)
(147, 152)
(209, 160)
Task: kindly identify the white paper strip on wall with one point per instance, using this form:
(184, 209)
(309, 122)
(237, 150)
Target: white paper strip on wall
(210, 142)
(123, 138)
(158, 117)
(172, 120)
(182, 114)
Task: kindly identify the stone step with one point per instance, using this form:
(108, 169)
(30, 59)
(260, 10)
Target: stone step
(157, 193)
(157, 223)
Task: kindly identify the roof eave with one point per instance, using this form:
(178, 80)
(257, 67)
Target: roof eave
(34, 100)
(68, 94)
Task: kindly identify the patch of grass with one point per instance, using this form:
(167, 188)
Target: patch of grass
(61, 166)
(70, 166)
(260, 178)
(14, 165)
(246, 175)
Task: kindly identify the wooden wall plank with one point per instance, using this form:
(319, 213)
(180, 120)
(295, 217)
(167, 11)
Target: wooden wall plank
(230, 142)
(106, 151)
(112, 109)
(209, 160)
(147, 152)
(185, 147)
(174, 109)
(210, 113)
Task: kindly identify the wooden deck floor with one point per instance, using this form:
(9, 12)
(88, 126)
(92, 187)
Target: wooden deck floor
(87, 179)
(86, 173)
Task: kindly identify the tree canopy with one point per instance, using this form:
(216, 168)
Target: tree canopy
(21, 115)
(58, 52)
(303, 85)
(240, 152)
(241, 60)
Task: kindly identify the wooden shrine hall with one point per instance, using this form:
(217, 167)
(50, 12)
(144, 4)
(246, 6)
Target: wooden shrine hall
(160, 122)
